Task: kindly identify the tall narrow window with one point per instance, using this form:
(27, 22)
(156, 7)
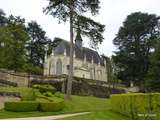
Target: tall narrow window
(59, 67)
(99, 74)
(91, 73)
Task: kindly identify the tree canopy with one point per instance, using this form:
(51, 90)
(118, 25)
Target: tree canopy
(13, 39)
(88, 27)
(153, 76)
(134, 42)
(22, 48)
(37, 44)
(3, 19)
(73, 10)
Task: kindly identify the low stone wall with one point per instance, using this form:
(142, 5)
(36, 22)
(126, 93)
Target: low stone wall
(84, 88)
(21, 79)
(79, 87)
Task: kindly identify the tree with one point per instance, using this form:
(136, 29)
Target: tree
(134, 42)
(153, 76)
(53, 44)
(37, 44)
(5, 47)
(13, 37)
(73, 9)
(3, 19)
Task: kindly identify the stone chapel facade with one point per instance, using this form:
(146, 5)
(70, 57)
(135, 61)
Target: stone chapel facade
(87, 62)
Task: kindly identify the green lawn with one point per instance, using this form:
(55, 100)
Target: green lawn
(98, 106)
(78, 104)
(99, 115)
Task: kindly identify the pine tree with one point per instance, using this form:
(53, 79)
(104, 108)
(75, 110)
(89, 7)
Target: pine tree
(73, 10)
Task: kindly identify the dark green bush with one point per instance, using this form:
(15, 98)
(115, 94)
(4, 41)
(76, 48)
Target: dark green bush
(21, 106)
(45, 88)
(51, 106)
(30, 68)
(136, 103)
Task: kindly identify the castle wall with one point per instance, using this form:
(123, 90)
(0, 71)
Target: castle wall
(82, 68)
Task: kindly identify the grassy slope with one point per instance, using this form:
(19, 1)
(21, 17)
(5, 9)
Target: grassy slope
(98, 106)
(99, 109)
(85, 103)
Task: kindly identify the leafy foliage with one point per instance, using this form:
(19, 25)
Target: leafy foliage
(52, 44)
(45, 88)
(134, 42)
(153, 76)
(31, 69)
(37, 44)
(87, 27)
(13, 39)
(72, 9)
(22, 48)
(3, 19)
(61, 10)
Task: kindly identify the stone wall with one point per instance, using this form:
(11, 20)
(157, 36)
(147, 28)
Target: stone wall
(21, 79)
(80, 86)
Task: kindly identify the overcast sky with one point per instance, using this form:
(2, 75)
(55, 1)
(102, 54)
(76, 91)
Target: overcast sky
(112, 14)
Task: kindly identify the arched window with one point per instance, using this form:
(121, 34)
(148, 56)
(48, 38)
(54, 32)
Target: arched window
(59, 67)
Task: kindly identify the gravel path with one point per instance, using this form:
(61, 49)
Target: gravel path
(50, 117)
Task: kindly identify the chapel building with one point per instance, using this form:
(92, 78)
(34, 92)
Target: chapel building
(87, 62)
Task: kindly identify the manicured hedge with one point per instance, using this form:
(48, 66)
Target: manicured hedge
(22, 106)
(27, 94)
(51, 106)
(137, 103)
(27, 106)
(45, 88)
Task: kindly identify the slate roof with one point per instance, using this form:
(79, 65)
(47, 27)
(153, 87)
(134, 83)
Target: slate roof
(80, 53)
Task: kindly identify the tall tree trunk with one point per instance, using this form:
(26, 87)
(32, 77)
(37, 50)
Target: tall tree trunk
(70, 76)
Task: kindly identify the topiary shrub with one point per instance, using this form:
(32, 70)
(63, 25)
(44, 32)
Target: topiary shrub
(51, 106)
(49, 99)
(45, 88)
(136, 104)
(48, 94)
(21, 106)
(27, 94)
